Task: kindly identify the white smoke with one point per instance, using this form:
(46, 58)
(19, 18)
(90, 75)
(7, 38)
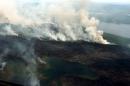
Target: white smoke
(9, 13)
(62, 20)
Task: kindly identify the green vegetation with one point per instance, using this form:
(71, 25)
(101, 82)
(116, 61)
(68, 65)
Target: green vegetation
(57, 68)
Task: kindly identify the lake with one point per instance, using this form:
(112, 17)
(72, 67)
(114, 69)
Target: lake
(117, 29)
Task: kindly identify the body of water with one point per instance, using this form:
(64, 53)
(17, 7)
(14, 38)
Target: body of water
(116, 29)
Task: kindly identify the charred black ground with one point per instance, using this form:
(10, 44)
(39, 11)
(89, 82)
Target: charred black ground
(109, 64)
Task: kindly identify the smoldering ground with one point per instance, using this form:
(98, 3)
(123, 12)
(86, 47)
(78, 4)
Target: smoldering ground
(18, 55)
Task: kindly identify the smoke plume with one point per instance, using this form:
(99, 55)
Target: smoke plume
(62, 20)
(59, 20)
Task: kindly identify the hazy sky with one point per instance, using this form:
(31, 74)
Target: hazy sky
(99, 1)
(113, 1)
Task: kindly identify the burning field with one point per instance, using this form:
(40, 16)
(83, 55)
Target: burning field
(57, 43)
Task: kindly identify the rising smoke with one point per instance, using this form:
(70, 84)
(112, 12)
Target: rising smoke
(62, 20)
